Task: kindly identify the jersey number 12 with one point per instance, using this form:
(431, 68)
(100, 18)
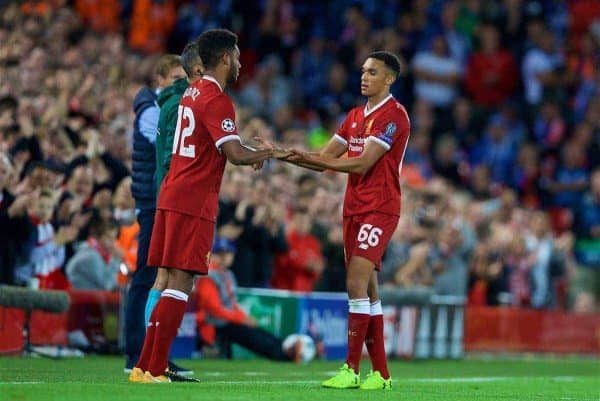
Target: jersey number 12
(184, 112)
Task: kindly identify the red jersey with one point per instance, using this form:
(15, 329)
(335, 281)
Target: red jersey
(378, 190)
(206, 120)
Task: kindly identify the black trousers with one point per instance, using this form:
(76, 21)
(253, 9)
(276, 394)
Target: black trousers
(140, 285)
(255, 339)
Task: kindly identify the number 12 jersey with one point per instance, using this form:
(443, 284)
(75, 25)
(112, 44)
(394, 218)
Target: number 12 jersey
(206, 120)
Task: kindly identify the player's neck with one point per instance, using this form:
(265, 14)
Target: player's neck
(374, 100)
(218, 77)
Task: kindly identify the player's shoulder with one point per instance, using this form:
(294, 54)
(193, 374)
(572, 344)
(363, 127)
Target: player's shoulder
(396, 110)
(394, 106)
(355, 113)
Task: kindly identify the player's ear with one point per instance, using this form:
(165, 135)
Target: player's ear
(226, 58)
(199, 69)
(390, 79)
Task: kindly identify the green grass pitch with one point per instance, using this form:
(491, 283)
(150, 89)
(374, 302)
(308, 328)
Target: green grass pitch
(102, 378)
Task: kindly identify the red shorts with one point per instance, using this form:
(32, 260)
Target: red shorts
(181, 241)
(367, 235)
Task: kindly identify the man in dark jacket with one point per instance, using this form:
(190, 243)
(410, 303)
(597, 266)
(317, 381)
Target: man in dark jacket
(143, 188)
(168, 101)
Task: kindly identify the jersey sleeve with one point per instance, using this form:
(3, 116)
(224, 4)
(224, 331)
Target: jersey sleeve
(390, 128)
(341, 135)
(220, 121)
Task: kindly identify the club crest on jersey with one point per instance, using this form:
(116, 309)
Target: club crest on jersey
(228, 125)
(369, 126)
(388, 135)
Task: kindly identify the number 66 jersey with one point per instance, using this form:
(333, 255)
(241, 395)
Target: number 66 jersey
(372, 202)
(206, 120)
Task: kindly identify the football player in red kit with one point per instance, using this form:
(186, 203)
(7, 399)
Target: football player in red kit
(206, 137)
(375, 138)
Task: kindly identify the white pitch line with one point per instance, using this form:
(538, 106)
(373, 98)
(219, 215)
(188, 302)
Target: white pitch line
(275, 382)
(305, 382)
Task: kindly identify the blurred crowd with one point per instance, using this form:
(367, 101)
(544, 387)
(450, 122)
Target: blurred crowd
(501, 178)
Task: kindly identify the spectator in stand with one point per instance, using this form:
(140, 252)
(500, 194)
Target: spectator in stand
(491, 75)
(587, 247)
(8, 113)
(44, 254)
(301, 266)
(96, 263)
(269, 91)
(436, 75)
(497, 150)
(464, 125)
(571, 177)
(447, 160)
(526, 174)
(338, 97)
(458, 43)
(10, 237)
(549, 126)
(541, 65)
(311, 68)
(540, 243)
(261, 237)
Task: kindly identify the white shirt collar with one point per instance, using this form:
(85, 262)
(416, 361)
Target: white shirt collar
(212, 79)
(368, 111)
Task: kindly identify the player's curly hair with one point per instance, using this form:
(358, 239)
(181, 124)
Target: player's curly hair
(390, 60)
(213, 43)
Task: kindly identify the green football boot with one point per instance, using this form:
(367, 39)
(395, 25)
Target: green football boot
(374, 381)
(345, 378)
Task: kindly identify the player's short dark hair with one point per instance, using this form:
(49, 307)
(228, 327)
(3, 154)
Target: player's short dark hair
(166, 63)
(213, 43)
(190, 57)
(390, 60)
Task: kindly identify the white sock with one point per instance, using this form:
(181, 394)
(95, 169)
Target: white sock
(360, 305)
(376, 308)
(180, 295)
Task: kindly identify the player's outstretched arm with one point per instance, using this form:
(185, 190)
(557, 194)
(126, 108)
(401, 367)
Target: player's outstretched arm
(241, 155)
(358, 165)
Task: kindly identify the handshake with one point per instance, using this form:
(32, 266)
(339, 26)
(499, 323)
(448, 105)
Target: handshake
(289, 155)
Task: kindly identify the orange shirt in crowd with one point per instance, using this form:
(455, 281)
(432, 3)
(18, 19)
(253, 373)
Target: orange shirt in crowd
(40, 8)
(151, 24)
(100, 15)
(128, 244)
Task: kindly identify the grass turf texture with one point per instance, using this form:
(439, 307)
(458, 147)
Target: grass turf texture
(102, 378)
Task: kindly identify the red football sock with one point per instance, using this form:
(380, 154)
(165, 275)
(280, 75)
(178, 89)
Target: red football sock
(168, 319)
(358, 322)
(375, 342)
(146, 354)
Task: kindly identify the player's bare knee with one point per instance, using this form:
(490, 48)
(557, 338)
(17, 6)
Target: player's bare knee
(357, 287)
(162, 279)
(373, 289)
(180, 280)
